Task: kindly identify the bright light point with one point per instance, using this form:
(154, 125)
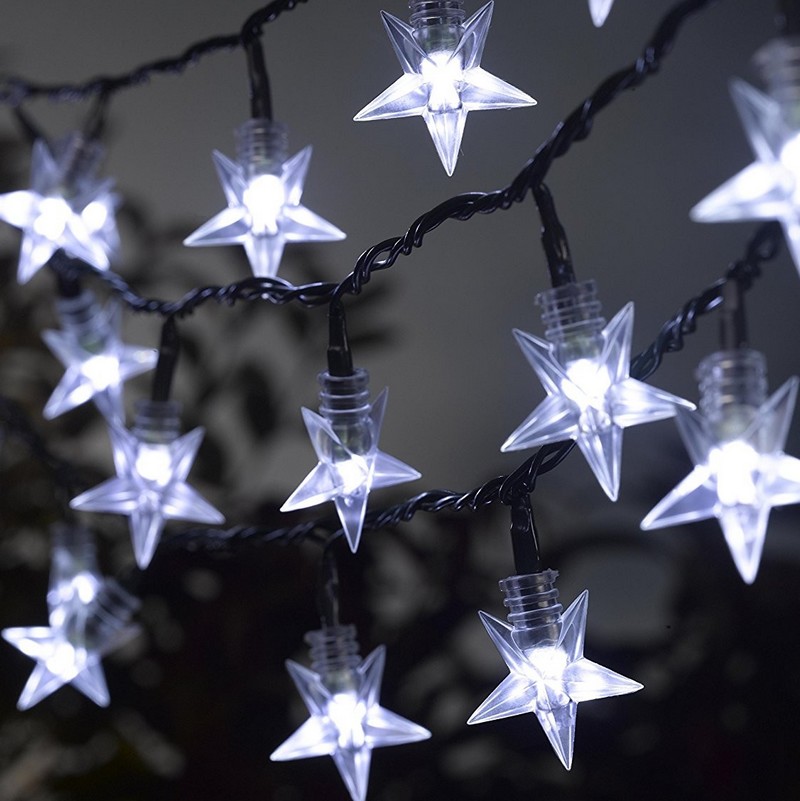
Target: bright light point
(443, 75)
(264, 198)
(102, 371)
(154, 463)
(65, 661)
(85, 586)
(347, 714)
(95, 215)
(735, 465)
(351, 474)
(51, 221)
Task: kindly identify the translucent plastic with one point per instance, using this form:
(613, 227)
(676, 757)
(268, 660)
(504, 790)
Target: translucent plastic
(345, 437)
(263, 190)
(442, 79)
(599, 10)
(89, 617)
(346, 721)
(584, 368)
(96, 360)
(152, 464)
(543, 649)
(66, 207)
(736, 444)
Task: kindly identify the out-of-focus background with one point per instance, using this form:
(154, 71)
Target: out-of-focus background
(201, 699)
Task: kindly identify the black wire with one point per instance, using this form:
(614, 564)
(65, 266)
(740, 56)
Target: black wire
(732, 319)
(168, 352)
(554, 239)
(340, 358)
(523, 537)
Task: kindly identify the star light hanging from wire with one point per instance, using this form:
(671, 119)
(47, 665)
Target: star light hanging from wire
(738, 476)
(442, 79)
(550, 679)
(150, 487)
(599, 10)
(263, 192)
(66, 207)
(346, 722)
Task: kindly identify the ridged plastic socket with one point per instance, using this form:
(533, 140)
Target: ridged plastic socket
(438, 24)
(335, 656)
(533, 608)
(261, 147)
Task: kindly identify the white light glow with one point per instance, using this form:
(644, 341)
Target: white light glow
(51, 220)
(264, 198)
(444, 77)
(347, 713)
(96, 215)
(154, 463)
(102, 371)
(736, 467)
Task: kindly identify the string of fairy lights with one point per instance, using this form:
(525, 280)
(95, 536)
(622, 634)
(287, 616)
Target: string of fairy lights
(595, 388)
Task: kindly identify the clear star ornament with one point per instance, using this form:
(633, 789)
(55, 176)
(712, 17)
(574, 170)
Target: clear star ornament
(97, 362)
(263, 188)
(599, 10)
(152, 463)
(769, 188)
(736, 442)
(89, 617)
(341, 693)
(440, 53)
(543, 649)
(584, 367)
(345, 437)
(67, 206)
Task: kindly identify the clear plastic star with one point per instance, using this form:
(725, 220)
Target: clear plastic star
(599, 10)
(150, 488)
(591, 400)
(347, 723)
(550, 680)
(770, 187)
(738, 481)
(89, 617)
(443, 86)
(96, 366)
(263, 214)
(61, 211)
(347, 470)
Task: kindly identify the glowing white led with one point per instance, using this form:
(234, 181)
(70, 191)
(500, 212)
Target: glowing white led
(599, 10)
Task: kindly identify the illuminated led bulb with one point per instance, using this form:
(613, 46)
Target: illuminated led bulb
(599, 10)
(96, 361)
(341, 693)
(543, 650)
(584, 367)
(89, 617)
(442, 79)
(345, 437)
(152, 464)
(769, 188)
(66, 207)
(736, 442)
(263, 189)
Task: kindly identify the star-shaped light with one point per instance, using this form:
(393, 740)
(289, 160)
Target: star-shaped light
(150, 487)
(347, 721)
(550, 679)
(442, 82)
(736, 479)
(62, 209)
(264, 212)
(599, 10)
(769, 188)
(89, 617)
(97, 363)
(350, 466)
(591, 400)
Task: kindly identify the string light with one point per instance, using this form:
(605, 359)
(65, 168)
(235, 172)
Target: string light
(341, 692)
(599, 10)
(67, 207)
(152, 463)
(736, 442)
(442, 79)
(89, 617)
(345, 437)
(263, 189)
(584, 367)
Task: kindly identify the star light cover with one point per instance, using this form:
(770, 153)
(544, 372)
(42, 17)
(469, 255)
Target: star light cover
(736, 479)
(769, 188)
(66, 207)
(150, 487)
(550, 679)
(599, 10)
(442, 79)
(346, 722)
(264, 210)
(591, 399)
(89, 617)
(97, 362)
(350, 464)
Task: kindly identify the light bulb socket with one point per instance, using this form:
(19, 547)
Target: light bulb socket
(157, 422)
(82, 317)
(779, 63)
(73, 552)
(573, 321)
(344, 402)
(438, 24)
(112, 609)
(733, 385)
(335, 656)
(533, 608)
(261, 147)
(79, 157)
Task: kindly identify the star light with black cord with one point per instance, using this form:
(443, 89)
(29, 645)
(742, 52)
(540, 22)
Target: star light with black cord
(263, 189)
(66, 207)
(442, 80)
